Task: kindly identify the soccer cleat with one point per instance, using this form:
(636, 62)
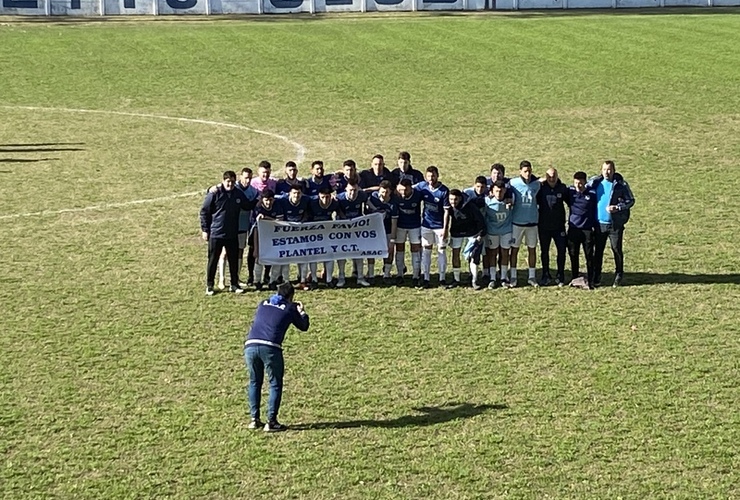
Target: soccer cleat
(274, 426)
(476, 286)
(258, 286)
(512, 283)
(492, 284)
(341, 282)
(250, 281)
(387, 281)
(426, 284)
(243, 285)
(331, 284)
(236, 289)
(209, 291)
(533, 283)
(559, 282)
(415, 283)
(617, 281)
(221, 285)
(363, 282)
(399, 280)
(544, 281)
(453, 284)
(255, 424)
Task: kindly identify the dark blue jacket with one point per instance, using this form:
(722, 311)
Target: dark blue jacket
(551, 203)
(219, 215)
(582, 209)
(272, 320)
(466, 221)
(622, 197)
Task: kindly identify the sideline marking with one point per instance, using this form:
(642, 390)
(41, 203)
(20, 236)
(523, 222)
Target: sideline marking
(300, 156)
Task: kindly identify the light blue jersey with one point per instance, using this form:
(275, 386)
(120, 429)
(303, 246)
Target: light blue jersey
(497, 216)
(245, 217)
(603, 200)
(525, 201)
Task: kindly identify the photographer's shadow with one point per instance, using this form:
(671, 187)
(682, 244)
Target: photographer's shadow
(428, 415)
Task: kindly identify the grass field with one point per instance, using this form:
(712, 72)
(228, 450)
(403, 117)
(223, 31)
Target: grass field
(120, 379)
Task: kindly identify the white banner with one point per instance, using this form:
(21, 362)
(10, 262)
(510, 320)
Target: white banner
(291, 242)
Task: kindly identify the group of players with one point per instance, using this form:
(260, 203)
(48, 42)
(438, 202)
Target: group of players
(486, 224)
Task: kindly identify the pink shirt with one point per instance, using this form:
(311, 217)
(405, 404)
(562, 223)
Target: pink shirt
(261, 186)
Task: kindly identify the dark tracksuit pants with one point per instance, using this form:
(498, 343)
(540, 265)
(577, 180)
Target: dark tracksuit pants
(615, 236)
(577, 239)
(558, 237)
(215, 245)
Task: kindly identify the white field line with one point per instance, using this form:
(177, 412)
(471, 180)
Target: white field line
(299, 148)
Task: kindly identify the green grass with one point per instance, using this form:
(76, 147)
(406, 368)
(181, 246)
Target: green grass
(120, 379)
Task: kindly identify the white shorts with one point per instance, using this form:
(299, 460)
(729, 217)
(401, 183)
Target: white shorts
(431, 237)
(243, 240)
(412, 235)
(494, 241)
(460, 242)
(520, 233)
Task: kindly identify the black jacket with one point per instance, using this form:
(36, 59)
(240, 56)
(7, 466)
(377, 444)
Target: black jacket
(551, 202)
(466, 221)
(219, 215)
(622, 197)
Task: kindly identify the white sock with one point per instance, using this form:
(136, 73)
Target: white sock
(504, 270)
(370, 269)
(329, 268)
(258, 272)
(275, 273)
(285, 272)
(399, 263)
(473, 271)
(416, 264)
(387, 270)
(531, 273)
(426, 262)
(513, 273)
(442, 263)
(358, 266)
(341, 267)
(485, 271)
(456, 273)
(492, 271)
(314, 267)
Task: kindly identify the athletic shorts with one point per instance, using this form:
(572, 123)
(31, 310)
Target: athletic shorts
(431, 237)
(412, 235)
(521, 233)
(460, 242)
(243, 240)
(494, 241)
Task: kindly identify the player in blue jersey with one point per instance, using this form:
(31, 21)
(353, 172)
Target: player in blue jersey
(265, 209)
(382, 201)
(348, 174)
(371, 178)
(295, 209)
(352, 204)
(282, 188)
(317, 180)
(524, 220)
(434, 231)
(405, 170)
(324, 208)
(409, 229)
(498, 231)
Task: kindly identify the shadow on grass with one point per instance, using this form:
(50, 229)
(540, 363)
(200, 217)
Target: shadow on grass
(35, 144)
(430, 415)
(37, 150)
(642, 279)
(24, 160)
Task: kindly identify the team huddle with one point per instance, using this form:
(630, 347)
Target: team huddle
(485, 224)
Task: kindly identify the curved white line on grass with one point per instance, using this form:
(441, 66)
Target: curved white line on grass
(300, 155)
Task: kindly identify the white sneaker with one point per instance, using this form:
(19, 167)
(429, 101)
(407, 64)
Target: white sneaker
(362, 282)
(533, 283)
(209, 291)
(341, 282)
(221, 285)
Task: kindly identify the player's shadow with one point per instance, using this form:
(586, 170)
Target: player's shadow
(37, 149)
(427, 415)
(36, 144)
(642, 279)
(25, 160)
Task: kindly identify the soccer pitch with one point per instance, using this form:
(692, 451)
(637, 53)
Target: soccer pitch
(120, 379)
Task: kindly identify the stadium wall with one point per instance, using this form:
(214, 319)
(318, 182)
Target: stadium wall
(205, 7)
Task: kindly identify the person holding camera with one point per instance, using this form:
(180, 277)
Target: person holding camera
(263, 352)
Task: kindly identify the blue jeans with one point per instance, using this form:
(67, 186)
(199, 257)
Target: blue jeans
(260, 358)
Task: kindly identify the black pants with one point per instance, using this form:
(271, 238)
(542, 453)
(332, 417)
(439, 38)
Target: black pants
(615, 236)
(578, 238)
(215, 245)
(558, 236)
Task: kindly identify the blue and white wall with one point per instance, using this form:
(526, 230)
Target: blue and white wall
(173, 7)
